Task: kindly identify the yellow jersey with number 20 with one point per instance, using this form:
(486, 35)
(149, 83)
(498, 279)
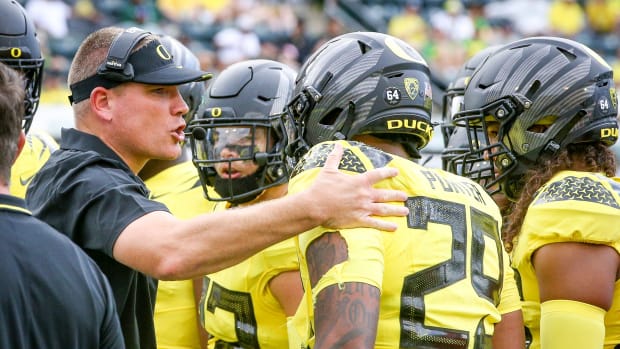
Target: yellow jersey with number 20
(443, 274)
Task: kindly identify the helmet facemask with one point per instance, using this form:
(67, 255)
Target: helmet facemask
(20, 49)
(452, 103)
(489, 160)
(240, 158)
(544, 93)
(32, 71)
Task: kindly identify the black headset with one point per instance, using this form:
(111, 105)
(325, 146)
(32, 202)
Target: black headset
(115, 67)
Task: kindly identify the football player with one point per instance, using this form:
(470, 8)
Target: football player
(456, 140)
(546, 109)
(443, 276)
(20, 49)
(239, 150)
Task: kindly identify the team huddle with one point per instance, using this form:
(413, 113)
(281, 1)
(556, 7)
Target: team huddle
(272, 208)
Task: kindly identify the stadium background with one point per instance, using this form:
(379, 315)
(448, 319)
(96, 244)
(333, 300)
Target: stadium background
(220, 32)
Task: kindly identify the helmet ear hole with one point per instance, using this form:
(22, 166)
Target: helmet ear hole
(330, 118)
(532, 90)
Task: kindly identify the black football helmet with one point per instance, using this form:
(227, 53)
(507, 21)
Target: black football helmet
(453, 98)
(20, 49)
(363, 83)
(534, 96)
(192, 92)
(456, 143)
(246, 96)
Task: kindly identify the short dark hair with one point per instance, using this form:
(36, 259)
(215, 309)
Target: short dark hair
(11, 114)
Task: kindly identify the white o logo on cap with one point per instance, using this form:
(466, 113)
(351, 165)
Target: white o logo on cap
(163, 52)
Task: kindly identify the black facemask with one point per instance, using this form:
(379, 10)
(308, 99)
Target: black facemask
(240, 190)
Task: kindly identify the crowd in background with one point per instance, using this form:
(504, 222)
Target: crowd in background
(221, 32)
(559, 128)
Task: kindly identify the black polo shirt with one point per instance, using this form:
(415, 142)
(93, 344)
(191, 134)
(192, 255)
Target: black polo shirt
(87, 192)
(51, 294)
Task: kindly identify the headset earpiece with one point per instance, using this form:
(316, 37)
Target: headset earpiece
(115, 67)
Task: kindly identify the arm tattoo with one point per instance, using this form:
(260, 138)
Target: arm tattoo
(325, 252)
(345, 316)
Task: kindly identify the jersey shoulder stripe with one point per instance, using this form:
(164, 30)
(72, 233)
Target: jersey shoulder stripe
(352, 159)
(573, 188)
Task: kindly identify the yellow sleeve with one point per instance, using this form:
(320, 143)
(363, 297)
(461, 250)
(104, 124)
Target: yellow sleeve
(509, 298)
(566, 324)
(297, 327)
(365, 260)
(294, 339)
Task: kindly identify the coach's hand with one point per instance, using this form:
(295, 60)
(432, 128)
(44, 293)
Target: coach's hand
(349, 201)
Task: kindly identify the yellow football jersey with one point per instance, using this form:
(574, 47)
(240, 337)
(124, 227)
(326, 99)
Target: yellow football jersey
(571, 207)
(37, 149)
(176, 314)
(443, 274)
(238, 307)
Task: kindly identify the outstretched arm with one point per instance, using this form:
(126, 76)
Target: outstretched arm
(167, 248)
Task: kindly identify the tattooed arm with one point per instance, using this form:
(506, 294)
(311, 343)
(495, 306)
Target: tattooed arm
(345, 316)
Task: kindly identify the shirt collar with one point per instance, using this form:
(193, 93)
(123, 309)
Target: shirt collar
(13, 203)
(72, 139)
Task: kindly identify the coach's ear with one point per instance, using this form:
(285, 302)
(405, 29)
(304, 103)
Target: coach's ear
(101, 104)
(20, 144)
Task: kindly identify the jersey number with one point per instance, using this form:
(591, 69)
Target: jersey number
(240, 304)
(422, 210)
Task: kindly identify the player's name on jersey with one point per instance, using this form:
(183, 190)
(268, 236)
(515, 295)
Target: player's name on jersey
(463, 186)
